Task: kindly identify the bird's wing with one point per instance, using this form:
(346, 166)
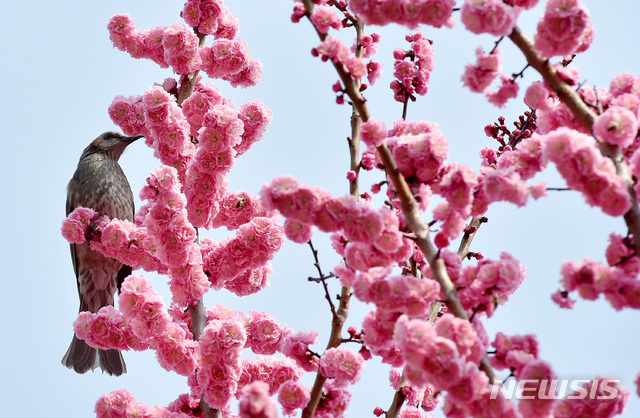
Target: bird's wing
(74, 250)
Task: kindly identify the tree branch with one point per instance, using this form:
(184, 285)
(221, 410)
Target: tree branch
(586, 116)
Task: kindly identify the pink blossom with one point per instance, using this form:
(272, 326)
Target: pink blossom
(514, 352)
(336, 401)
(255, 401)
(538, 190)
(507, 90)
(410, 412)
(298, 232)
(537, 96)
(341, 364)
(296, 346)
(616, 126)
(373, 132)
(436, 13)
(115, 404)
(586, 170)
(607, 399)
(479, 76)
(457, 186)
(255, 117)
(505, 185)
(488, 16)
(620, 253)
(225, 58)
(292, 395)
(536, 374)
(264, 334)
(561, 28)
(180, 45)
(562, 299)
(324, 18)
(74, 227)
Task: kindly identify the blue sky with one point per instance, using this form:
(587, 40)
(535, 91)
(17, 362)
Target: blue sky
(60, 74)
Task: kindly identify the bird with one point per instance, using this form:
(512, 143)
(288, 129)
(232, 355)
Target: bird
(100, 184)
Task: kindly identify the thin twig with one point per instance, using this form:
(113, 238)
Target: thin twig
(322, 278)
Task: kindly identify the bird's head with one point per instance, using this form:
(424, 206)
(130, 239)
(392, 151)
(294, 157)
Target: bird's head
(111, 144)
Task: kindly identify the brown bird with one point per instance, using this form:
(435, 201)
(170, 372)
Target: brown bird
(100, 184)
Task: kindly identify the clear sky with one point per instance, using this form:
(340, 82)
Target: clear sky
(60, 73)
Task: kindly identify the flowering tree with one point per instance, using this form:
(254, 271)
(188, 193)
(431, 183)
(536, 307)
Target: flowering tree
(430, 297)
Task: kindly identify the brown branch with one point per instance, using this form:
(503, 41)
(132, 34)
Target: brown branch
(341, 313)
(586, 116)
(411, 211)
(470, 233)
(188, 81)
(196, 311)
(398, 401)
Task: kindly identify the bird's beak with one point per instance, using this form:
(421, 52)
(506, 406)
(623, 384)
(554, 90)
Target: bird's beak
(130, 139)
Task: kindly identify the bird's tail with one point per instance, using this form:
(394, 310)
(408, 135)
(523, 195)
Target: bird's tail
(80, 357)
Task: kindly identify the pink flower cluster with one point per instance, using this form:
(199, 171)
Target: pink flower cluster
(508, 90)
(489, 283)
(606, 399)
(324, 18)
(107, 329)
(175, 45)
(436, 13)
(488, 16)
(591, 279)
(334, 402)
(205, 182)
(403, 294)
(296, 347)
(250, 249)
(115, 238)
(341, 364)
(507, 181)
(219, 369)
(457, 186)
(176, 350)
(412, 76)
(332, 48)
(419, 153)
(173, 236)
(479, 76)
(128, 114)
(564, 29)
(377, 334)
(270, 370)
(121, 404)
(424, 396)
(210, 17)
(373, 133)
(167, 130)
(250, 281)
(264, 334)
(205, 96)
(293, 395)
(256, 117)
(236, 209)
(514, 352)
(535, 377)
(255, 402)
(617, 126)
(587, 171)
(445, 355)
(75, 226)
(230, 60)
